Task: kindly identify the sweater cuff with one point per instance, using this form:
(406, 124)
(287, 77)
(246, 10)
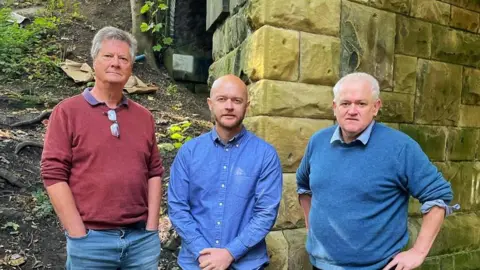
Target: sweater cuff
(427, 206)
(304, 191)
(236, 248)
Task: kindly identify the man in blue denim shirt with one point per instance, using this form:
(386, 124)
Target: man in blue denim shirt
(225, 188)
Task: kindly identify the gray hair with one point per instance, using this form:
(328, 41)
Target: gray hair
(360, 76)
(112, 33)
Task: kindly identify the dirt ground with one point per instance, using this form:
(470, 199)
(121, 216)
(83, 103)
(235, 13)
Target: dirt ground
(29, 230)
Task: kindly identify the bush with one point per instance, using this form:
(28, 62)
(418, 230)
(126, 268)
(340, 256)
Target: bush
(27, 52)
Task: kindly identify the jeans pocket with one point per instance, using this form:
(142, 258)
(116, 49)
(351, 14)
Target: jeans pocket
(80, 237)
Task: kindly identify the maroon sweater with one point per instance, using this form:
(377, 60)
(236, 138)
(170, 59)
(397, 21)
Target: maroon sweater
(108, 176)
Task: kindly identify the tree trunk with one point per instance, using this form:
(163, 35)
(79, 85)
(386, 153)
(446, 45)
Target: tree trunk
(144, 39)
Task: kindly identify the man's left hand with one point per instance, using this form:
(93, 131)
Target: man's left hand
(406, 260)
(218, 259)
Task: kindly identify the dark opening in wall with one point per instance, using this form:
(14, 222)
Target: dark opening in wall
(191, 55)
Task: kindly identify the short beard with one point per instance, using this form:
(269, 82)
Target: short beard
(232, 127)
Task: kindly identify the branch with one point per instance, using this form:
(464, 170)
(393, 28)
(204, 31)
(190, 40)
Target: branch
(35, 120)
(12, 179)
(24, 144)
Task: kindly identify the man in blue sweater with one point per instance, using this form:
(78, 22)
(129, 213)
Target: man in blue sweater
(354, 183)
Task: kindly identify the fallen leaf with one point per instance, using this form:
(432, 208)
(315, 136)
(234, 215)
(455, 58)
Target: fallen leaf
(150, 98)
(5, 134)
(16, 260)
(166, 147)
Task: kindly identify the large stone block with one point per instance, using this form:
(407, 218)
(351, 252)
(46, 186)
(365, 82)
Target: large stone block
(414, 37)
(288, 135)
(397, 107)
(465, 19)
(273, 53)
(399, 6)
(467, 260)
(469, 116)
(439, 88)
(468, 4)
(277, 251)
(228, 64)
(462, 143)
(471, 86)
(297, 254)
(455, 46)
(465, 180)
(230, 35)
(290, 214)
(458, 233)
(235, 5)
(319, 59)
(368, 39)
(277, 98)
(405, 74)
(432, 139)
(431, 10)
(302, 15)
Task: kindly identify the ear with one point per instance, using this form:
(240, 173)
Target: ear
(334, 106)
(209, 102)
(376, 106)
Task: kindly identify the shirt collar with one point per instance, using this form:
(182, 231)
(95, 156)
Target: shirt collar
(236, 138)
(364, 137)
(94, 102)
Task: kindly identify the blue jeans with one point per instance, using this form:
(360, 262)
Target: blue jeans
(114, 249)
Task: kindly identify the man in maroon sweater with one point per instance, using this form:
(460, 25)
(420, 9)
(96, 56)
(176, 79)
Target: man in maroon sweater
(101, 166)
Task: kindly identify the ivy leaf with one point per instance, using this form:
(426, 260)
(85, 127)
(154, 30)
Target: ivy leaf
(145, 8)
(177, 136)
(177, 145)
(157, 48)
(174, 128)
(144, 27)
(166, 147)
(162, 6)
(167, 41)
(157, 27)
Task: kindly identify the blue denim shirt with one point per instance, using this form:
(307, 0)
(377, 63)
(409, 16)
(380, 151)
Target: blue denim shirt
(225, 196)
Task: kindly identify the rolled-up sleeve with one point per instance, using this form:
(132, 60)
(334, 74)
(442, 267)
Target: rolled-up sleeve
(56, 161)
(303, 172)
(424, 181)
(155, 166)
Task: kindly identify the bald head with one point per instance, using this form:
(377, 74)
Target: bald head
(229, 82)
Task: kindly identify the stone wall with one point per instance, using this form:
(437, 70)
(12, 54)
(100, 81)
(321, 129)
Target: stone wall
(426, 55)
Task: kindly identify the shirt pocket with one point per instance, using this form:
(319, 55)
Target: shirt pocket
(242, 186)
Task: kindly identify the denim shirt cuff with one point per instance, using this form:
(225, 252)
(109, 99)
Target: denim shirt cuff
(236, 248)
(427, 206)
(198, 245)
(304, 191)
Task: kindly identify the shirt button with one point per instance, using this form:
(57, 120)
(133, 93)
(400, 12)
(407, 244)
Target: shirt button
(218, 242)
(226, 149)
(220, 204)
(218, 223)
(237, 145)
(223, 186)
(224, 167)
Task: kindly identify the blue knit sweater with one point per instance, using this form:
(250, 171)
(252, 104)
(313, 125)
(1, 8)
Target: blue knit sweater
(358, 218)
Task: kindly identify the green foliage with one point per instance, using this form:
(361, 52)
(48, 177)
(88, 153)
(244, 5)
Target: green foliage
(12, 225)
(178, 134)
(172, 89)
(43, 208)
(27, 52)
(155, 12)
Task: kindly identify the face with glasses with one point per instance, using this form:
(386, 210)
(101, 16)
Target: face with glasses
(113, 64)
(355, 107)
